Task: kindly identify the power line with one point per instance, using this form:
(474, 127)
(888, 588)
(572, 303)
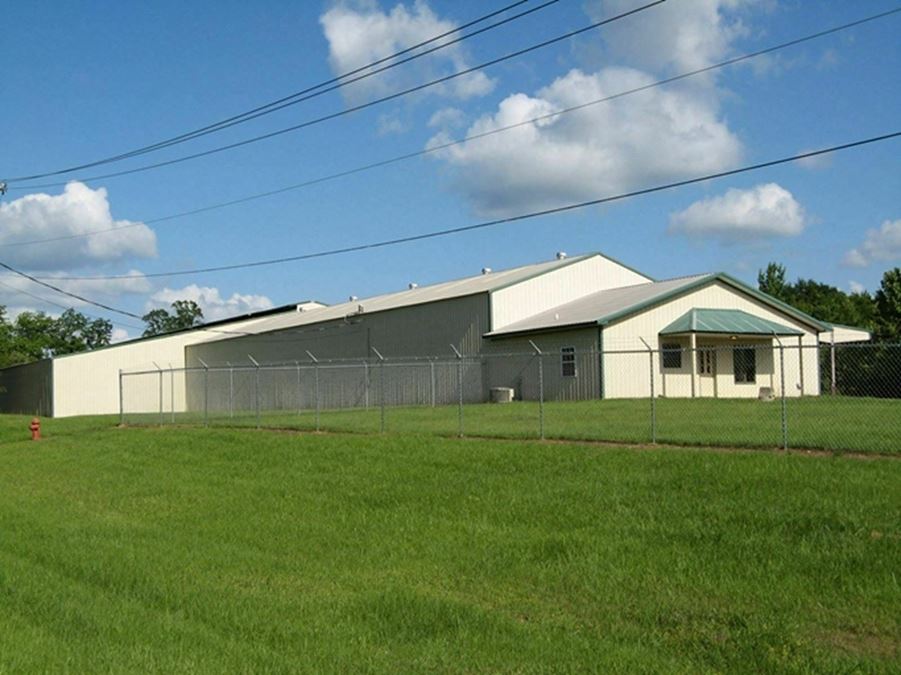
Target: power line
(313, 91)
(443, 233)
(472, 137)
(71, 295)
(490, 223)
(53, 303)
(363, 106)
(33, 296)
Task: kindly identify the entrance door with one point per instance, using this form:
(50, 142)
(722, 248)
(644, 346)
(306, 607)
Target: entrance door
(706, 370)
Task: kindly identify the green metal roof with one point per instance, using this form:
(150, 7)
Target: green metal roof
(732, 321)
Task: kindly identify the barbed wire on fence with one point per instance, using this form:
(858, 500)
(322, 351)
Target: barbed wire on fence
(748, 393)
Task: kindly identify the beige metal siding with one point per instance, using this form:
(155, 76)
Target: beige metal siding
(556, 287)
(27, 389)
(626, 336)
(88, 383)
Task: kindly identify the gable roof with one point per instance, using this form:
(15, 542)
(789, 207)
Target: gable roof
(606, 307)
(596, 307)
(729, 321)
(458, 288)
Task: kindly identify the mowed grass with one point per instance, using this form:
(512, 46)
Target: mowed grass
(220, 550)
(821, 423)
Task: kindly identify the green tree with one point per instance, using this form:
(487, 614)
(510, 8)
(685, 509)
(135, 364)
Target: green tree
(888, 306)
(772, 280)
(185, 314)
(820, 300)
(37, 335)
(34, 336)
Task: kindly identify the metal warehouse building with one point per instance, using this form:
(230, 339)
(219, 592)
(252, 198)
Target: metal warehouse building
(605, 325)
(88, 383)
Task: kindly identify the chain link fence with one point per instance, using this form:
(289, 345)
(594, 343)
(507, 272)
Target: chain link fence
(837, 398)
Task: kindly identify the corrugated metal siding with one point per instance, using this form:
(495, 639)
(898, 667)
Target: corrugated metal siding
(625, 336)
(27, 389)
(419, 330)
(521, 372)
(88, 383)
(559, 286)
(423, 295)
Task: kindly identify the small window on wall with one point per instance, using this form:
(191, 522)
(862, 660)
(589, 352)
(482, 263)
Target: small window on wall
(672, 355)
(744, 363)
(568, 361)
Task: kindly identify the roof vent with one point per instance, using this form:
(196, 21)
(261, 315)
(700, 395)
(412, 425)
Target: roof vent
(561, 255)
(353, 298)
(412, 285)
(486, 270)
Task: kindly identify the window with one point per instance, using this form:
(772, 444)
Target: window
(672, 355)
(706, 356)
(744, 363)
(568, 361)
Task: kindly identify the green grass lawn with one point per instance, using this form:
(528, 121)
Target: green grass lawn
(822, 423)
(230, 550)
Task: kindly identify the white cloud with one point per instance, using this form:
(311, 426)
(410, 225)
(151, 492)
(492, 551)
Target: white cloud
(212, 303)
(135, 284)
(856, 286)
(360, 32)
(815, 162)
(78, 210)
(119, 335)
(447, 117)
(391, 125)
(675, 36)
(883, 245)
(761, 212)
(15, 288)
(655, 136)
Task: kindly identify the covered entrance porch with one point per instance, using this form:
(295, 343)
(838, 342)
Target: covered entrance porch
(727, 353)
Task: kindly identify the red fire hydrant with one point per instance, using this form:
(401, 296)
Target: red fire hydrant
(35, 427)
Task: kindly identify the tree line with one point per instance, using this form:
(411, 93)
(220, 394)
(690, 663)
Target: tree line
(32, 336)
(879, 313)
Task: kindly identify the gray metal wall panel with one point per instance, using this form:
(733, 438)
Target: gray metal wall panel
(421, 330)
(521, 372)
(27, 389)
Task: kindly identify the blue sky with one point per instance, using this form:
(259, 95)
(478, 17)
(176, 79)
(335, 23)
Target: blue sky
(86, 80)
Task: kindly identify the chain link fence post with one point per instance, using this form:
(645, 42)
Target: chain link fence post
(299, 389)
(121, 399)
(459, 391)
(256, 388)
(366, 384)
(782, 393)
(653, 392)
(172, 393)
(231, 390)
(160, 377)
(316, 384)
(381, 389)
(206, 393)
(832, 384)
(432, 384)
(540, 356)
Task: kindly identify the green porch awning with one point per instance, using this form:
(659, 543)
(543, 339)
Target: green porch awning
(728, 321)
